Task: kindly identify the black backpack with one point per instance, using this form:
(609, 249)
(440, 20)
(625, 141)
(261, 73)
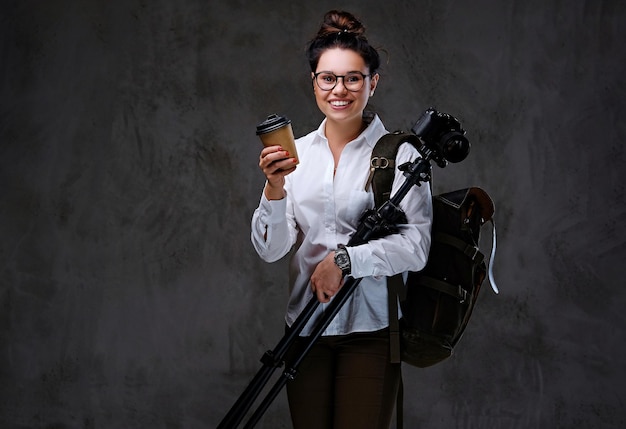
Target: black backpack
(437, 301)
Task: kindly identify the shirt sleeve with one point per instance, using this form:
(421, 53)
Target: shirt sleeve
(408, 249)
(273, 229)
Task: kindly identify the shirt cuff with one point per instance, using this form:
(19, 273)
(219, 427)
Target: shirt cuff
(361, 263)
(275, 210)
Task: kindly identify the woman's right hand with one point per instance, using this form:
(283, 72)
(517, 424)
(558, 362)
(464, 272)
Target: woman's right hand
(275, 163)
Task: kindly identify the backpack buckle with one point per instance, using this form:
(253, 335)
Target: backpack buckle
(474, 254)
(463, 295)
(379, 162)
(376, 163)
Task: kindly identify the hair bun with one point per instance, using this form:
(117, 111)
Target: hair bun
(336, 21)
(342, 30)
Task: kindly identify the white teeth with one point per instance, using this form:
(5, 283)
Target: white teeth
(339, 103)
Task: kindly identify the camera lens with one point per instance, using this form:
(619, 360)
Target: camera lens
(454, 147)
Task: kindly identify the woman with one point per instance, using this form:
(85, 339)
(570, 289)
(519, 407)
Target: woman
(347, 379)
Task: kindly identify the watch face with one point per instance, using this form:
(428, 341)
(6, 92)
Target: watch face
(342, 259)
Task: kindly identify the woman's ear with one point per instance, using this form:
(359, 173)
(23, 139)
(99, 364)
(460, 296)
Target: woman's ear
(374, 83)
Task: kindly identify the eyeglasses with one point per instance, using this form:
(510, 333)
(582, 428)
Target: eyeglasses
(352, 81)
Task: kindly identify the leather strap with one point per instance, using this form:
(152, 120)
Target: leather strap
(400, 405)
(449, 289)
(395, 289)
(471, 252)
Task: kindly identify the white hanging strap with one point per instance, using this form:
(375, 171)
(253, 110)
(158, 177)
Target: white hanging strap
(491, 258)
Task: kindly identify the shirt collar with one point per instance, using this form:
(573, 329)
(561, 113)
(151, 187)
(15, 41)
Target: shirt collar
(370, 134)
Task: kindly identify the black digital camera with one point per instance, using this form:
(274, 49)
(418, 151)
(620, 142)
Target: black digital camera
(442, 137)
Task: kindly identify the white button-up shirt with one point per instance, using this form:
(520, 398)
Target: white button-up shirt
(322, 209)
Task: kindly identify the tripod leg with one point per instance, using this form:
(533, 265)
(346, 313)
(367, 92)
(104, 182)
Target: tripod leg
(267, 401)
(320, 326)
(271, 360)
(242, 405)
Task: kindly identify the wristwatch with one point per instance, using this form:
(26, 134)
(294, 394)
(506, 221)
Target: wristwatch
(342, 259)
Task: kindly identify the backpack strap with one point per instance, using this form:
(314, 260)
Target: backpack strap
(400, 404)
(395, 290)
(383, 164)
(382, 171)
(472, 252)
(492, 280)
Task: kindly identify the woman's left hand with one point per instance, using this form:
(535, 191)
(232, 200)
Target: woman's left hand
(327, 279)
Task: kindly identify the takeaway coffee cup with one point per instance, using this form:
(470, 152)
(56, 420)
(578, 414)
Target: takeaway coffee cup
(276, 131)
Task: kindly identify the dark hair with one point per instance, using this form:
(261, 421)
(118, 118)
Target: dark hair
(342, 30)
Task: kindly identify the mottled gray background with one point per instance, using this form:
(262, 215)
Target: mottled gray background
(130, 296)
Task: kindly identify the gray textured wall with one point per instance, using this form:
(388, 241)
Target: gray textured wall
(130, 296)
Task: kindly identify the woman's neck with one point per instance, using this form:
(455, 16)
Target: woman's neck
(340, 134)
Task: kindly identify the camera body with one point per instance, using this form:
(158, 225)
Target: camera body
(442, 136)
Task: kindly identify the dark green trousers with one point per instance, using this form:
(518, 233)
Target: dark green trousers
(345, 382)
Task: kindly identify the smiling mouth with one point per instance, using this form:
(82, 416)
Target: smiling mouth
(339, 103)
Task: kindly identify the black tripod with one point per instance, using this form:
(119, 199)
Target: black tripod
(373, 224)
